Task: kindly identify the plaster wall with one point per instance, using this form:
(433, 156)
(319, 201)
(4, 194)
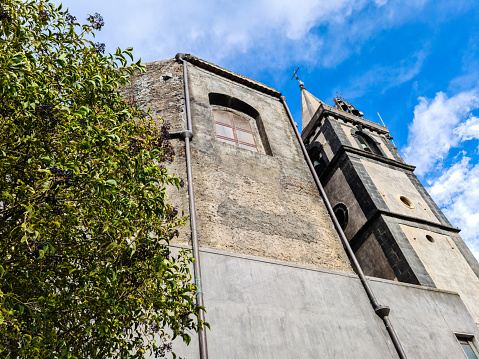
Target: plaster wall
(326, 147)
(446, 265)
(384, 148)
(393, 183)
(267, 309)
(347, 130)
(339, 191)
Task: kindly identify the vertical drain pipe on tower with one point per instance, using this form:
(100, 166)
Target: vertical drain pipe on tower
(188, 135)
(380, 310)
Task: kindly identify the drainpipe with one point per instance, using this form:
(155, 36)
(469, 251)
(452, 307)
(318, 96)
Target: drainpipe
(380, 310)
(187, 136)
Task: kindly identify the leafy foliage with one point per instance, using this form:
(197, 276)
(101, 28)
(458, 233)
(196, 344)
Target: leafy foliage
(85, 269)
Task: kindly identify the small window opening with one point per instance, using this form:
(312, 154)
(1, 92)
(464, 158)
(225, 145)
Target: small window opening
(406, 201)
(430, 238)
(315, 153)
(341, 213)
(235, 130)
(468, 346)
(367, 144)
(319, 164)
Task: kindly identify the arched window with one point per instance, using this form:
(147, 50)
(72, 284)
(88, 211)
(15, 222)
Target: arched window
(234, 129)
(238, 123)
(341, 213)
(367, 144)
(315, 152)
(319, 164)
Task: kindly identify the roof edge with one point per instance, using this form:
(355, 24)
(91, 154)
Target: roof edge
(229, 74)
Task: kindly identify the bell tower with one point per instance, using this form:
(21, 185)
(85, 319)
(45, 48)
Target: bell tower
(394, 227)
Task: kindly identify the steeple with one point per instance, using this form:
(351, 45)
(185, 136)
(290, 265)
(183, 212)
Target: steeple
(309, 105)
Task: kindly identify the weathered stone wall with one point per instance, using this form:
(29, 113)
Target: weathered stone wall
(160, 89)
(253, 203)
(247, 202)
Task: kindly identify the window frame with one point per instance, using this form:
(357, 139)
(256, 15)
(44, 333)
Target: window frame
(367, 143)
(469, 341)
(235, 129)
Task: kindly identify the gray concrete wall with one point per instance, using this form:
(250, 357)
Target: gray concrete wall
(426, 320)
(267, 206)
(266, 309)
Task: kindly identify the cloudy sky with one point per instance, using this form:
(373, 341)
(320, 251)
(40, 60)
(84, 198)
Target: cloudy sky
(416, 62)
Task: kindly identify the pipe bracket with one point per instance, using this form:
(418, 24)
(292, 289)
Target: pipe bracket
(382, 311)
(182, 134)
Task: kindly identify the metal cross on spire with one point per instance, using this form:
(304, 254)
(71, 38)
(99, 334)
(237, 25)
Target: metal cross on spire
(295, 75)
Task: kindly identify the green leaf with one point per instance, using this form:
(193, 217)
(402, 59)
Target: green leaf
(82, 209)
(111, 182)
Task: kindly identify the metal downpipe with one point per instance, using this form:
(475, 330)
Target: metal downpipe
(381, 311)
(194, 232)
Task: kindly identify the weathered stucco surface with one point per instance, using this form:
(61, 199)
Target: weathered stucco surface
(253, 203)
(247, 202)
(446, 265)
(394, 183)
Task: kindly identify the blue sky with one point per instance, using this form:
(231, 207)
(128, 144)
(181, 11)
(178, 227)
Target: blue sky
(416, 62)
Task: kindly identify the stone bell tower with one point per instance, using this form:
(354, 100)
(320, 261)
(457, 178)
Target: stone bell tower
(394, 227)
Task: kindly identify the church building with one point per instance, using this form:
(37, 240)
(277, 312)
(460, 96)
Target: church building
(319, 244)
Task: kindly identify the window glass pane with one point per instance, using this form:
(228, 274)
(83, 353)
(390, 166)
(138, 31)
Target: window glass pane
(251, 148)
(222, 116)
(224, 131)
(469, 353)
(227, 141)
(241, 123)
(245, 137)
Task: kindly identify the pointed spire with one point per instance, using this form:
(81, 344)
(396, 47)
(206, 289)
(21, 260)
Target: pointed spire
(309, 105)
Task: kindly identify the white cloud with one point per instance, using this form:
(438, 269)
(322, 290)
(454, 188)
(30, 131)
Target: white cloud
(457, 192)
(468, 130)
(221, 31)
(433, 130)
(439, 125)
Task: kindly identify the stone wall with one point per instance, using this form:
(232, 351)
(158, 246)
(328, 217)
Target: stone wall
(251, 203)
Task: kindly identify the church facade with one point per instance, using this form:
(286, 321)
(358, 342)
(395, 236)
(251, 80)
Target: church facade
(319, 245)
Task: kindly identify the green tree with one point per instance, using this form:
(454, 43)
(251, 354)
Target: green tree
(85, 269)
